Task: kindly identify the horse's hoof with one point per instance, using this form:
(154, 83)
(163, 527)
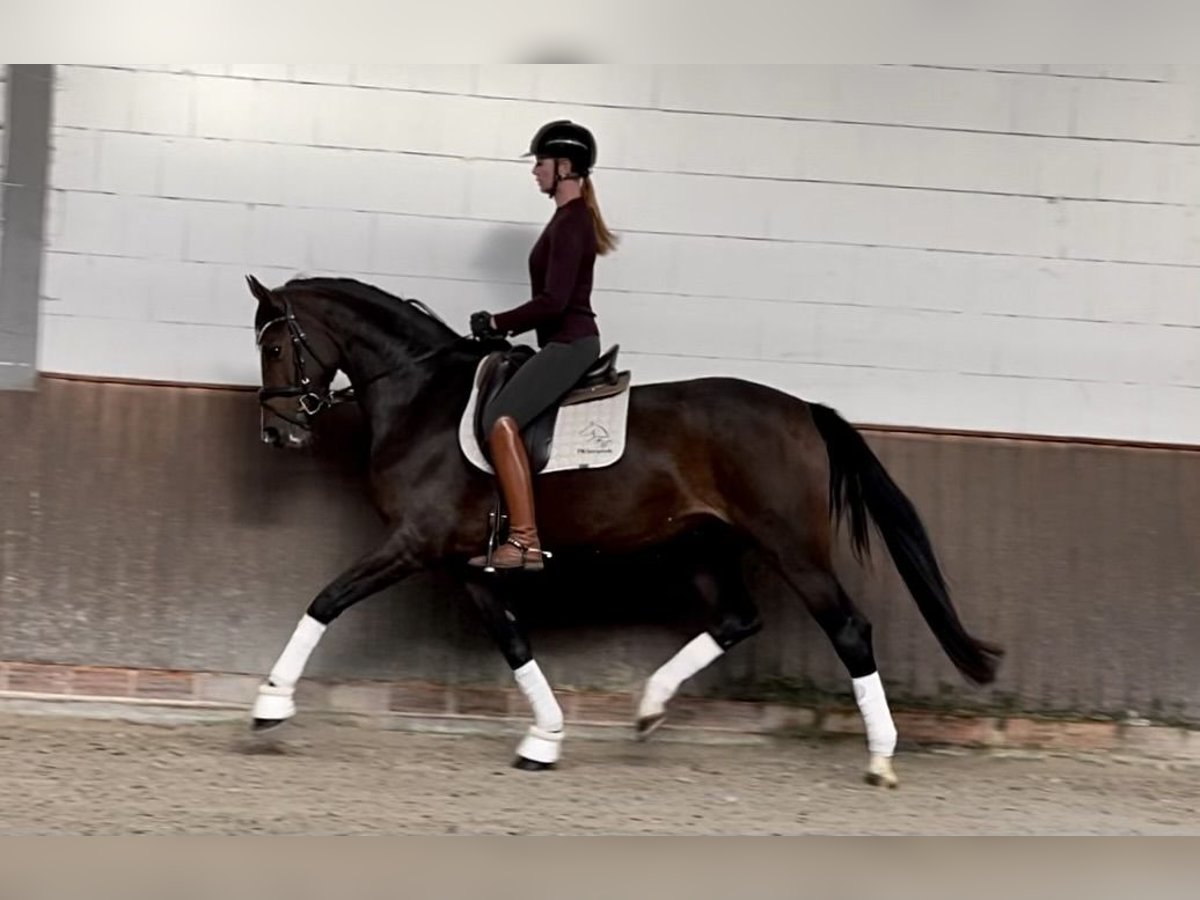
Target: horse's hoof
(880, 781)
(531, 765)
(261, 725)
(881, 774)
(647, 725)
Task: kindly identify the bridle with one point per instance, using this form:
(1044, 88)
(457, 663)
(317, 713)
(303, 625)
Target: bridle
(312, 399)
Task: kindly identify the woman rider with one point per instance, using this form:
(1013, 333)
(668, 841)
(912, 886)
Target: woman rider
(560, 312)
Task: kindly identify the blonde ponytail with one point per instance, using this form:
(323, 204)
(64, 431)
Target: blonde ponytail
(606, 241)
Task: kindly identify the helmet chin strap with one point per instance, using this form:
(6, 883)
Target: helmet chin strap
(553, 189)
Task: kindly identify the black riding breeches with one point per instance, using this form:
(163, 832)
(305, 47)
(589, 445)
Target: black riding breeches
(542, 381)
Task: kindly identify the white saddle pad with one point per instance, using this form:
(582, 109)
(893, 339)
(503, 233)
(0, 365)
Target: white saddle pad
(587, 435)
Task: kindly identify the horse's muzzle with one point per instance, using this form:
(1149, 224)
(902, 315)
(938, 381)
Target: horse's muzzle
(287, 438)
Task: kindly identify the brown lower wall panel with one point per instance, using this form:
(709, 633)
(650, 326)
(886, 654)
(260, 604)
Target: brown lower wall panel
(146, 527)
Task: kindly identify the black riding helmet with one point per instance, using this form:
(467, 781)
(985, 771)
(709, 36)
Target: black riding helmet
(563, 139)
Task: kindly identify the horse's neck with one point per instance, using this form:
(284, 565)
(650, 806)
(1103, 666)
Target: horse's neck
(399, 386)
(417, 400)
(374, 355)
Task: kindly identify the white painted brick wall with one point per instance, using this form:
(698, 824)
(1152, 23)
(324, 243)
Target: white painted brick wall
(1142, 110)
(434, 78)
(101, 98)
(625, 86)
(995, 247)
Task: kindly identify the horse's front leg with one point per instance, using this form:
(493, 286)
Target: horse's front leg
(380, 569)
(542, 744)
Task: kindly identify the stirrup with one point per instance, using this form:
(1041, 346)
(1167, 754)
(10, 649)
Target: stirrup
(525, 552)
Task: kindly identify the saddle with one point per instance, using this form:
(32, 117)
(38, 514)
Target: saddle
(601, 380)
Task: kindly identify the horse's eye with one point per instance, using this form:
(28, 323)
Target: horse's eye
(274, 351)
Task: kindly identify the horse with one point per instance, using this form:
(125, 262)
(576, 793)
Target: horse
(730, 465)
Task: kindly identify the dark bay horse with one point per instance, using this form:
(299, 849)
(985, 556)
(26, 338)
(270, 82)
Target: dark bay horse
(730, 466)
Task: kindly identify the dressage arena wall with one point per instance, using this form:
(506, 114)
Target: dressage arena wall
(972, 260)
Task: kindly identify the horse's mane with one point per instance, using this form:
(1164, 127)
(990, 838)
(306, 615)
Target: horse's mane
(369, 294)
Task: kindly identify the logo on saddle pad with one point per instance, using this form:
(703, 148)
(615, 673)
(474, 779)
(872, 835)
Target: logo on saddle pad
(595, 438)
(586, 429)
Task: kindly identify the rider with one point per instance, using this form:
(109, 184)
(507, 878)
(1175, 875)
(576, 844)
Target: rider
(560, 273)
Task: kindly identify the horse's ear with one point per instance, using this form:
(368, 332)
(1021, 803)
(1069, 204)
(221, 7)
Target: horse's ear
(261, 292)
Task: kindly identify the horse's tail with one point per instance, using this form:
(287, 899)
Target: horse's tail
(858, 485)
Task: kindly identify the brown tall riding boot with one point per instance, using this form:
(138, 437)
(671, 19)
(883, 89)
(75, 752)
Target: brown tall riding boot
(522, 549)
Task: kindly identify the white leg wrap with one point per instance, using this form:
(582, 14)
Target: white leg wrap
(881, 730)
(662, 685)
(291, 662)
(540, 746)
(547, 714)
(274, 702)
(275, 698)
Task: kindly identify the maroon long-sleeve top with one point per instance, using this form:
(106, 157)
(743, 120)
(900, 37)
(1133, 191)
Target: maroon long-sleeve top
(560, 275)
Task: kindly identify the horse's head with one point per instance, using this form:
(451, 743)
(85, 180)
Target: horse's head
(298, 365)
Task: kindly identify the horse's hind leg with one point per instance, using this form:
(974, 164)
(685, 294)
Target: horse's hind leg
(717, 578)
(542, 744)
(850, 632)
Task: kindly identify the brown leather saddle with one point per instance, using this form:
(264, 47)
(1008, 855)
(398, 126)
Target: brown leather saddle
(601, 380)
